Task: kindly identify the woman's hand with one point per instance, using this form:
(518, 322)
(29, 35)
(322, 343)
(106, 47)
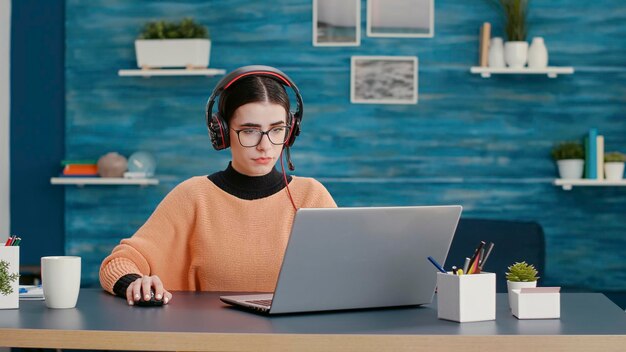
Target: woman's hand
(141, 287)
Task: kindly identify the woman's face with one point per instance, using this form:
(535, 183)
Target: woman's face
(257, 160)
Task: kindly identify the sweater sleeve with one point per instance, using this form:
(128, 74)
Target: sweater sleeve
(150, 250)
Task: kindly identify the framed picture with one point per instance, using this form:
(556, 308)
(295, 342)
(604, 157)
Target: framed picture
(401, 18)
(383, 80)
(336, 22)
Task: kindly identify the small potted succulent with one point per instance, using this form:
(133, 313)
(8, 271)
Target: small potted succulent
(520, 275)
(614, 165)
(173, 44)
(570, 159)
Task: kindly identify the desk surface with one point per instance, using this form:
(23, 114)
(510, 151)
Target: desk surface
(199, 321)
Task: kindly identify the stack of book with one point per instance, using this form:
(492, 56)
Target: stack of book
(594, 155)
(79, 168)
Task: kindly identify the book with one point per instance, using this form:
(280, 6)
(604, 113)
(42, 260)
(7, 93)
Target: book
(600, 157)
(483, 48)
(80, 169)
(591, 154)
(31, 293)
(81, 162)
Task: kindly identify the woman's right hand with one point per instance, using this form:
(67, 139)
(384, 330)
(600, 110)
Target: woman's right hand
(141, 288)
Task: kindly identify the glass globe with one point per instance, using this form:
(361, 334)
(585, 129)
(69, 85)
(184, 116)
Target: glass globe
(142, 162)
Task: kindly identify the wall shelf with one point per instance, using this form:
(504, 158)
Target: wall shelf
(550, 71)
(103, 181)
(567, 184)
(171, 72)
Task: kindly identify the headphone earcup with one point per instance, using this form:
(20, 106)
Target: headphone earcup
(219, 133)
(295, 128)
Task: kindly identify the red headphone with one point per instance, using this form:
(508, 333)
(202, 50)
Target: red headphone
(217, 124)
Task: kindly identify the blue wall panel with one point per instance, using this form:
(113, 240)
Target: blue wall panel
(482, 143)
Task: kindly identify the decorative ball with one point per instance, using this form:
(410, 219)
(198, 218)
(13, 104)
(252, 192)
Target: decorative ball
(142, 162)
(112, 165)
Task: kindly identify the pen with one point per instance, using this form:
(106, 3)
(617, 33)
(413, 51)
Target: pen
(466, 265)
(475, 257)
(8, 241)
(432, 260)
(459, 272)
(454, 269)
(17, 242)
(489, 248)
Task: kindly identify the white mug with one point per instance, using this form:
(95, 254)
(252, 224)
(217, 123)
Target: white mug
(60, 280)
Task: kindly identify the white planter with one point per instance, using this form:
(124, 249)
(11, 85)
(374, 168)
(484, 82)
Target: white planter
(496, 53)
(537, 54)
(516, 54)
(190, 53)
(614, 170)
(513, 285)
(11, 255)
(571, 168)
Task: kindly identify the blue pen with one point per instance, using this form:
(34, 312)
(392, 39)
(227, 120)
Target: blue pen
(432, 260)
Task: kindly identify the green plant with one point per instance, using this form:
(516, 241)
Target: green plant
(614, 157)
(514, 12)
(568, 150)
(187, 29)
(522, 272)
(6, 279)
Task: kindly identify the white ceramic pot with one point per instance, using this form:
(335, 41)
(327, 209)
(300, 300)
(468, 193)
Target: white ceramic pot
(537, 54)
(614, 170)
(153, 53)
(513, 285)
(571, 168)
(496, 53)
(516, 54)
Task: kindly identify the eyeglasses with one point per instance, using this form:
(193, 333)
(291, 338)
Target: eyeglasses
(251, 137)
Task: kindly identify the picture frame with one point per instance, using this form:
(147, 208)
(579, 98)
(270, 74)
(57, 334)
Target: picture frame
(384, 79)
(336, 22)
(401, 18)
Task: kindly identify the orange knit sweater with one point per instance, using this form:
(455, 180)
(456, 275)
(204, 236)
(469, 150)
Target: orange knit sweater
(202, 238)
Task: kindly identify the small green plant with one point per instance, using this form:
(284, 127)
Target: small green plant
(614, 157)
(514, 12)
(186, 29)
(6, 279)
(522, 272)
(568, 150)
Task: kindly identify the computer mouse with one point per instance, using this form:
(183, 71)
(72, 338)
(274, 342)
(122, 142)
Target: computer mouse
(152, 302)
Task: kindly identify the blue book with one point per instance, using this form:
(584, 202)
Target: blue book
(591, 157)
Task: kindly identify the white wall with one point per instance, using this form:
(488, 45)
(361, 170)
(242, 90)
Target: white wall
(5, 87)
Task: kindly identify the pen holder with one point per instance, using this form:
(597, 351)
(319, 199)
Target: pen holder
(9, 277)
(466, 298)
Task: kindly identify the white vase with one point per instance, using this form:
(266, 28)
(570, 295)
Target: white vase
(496, 52)
(516, 54)
(571, 168)
(614, 170)
(537, 54)
(513, 285)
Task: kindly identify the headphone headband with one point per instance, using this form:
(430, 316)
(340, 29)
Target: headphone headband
(217, 125)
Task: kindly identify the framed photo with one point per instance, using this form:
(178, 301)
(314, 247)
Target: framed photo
(401, 18)
(383, 80)
(336, 22)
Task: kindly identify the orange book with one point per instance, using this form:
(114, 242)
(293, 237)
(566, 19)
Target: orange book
(80, 169)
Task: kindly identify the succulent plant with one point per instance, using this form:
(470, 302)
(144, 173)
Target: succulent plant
(186, 29)
(6, 279)
(568, 150)
(614, 157)
(522, 272)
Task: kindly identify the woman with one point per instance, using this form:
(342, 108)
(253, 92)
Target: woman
(227, 231)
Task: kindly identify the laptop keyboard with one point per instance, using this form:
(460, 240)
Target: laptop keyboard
(261, 302)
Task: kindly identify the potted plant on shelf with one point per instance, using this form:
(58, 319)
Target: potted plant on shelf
(516, 48)
(171, 44)
(520, 275)
(614, 165)
(570, 159)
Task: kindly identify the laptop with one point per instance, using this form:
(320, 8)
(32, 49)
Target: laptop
(355, 258)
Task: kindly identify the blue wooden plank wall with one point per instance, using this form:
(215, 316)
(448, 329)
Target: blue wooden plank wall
(482, 143)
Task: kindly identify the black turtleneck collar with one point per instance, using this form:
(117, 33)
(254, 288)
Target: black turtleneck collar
(248, 187)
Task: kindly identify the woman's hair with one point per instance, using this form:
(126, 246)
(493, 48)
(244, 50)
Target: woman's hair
(252, 89)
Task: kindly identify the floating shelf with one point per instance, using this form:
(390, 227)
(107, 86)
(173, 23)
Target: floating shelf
(552, 72)
(567, 184)
(172, 72)
(103, 181)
